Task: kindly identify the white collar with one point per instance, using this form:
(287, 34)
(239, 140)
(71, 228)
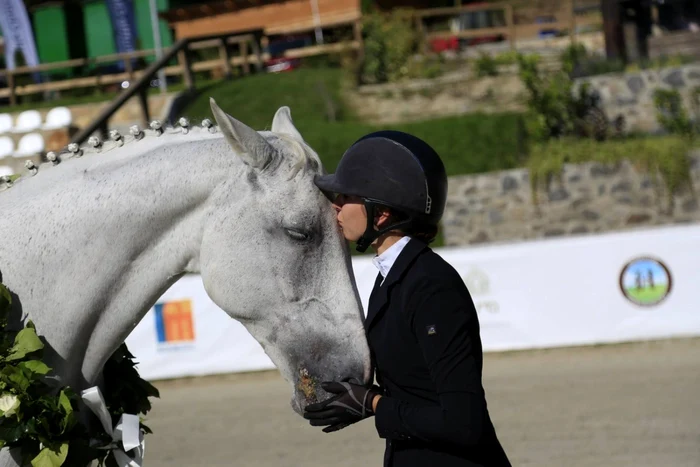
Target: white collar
(386, 260)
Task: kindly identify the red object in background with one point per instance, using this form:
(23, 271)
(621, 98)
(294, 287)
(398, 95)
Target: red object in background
(484, 40)
(470, 20)
(278, 65)
(440, 45)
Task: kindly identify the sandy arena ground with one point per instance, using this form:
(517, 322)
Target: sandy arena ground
(624, 405)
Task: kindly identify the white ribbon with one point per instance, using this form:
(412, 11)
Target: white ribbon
(127, 430)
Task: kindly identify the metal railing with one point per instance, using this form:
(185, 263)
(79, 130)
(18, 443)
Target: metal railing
(181, 49)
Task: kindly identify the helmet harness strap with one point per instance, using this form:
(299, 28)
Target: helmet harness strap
(371, 234)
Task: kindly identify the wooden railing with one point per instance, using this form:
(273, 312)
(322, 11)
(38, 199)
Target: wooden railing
(249, 54)
(566, 19)
(181, 49)
(249, 49)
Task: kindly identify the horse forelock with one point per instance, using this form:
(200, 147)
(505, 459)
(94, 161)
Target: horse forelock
(305, 158)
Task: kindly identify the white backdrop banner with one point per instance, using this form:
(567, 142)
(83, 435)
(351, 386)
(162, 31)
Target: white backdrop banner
(572, 291)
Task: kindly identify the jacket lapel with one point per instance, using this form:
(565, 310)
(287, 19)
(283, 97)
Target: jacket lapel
(380, 293)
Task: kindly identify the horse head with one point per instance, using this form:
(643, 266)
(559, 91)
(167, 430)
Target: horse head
(273, 257)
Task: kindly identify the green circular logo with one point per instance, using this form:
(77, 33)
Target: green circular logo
(645, 281)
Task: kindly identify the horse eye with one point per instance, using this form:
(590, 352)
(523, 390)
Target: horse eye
(298, 234)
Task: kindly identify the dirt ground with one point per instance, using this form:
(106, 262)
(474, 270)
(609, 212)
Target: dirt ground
(623, 405)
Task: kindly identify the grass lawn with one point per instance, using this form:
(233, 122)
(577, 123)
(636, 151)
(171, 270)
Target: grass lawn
(647, 294)
(468, 144)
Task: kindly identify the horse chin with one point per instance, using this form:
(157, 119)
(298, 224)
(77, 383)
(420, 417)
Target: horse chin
(298, 404)
(307, 391)
(300, 401)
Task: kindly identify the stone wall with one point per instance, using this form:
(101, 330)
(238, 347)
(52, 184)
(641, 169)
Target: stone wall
(589, 198)
(455, 93)
(632, 94)
(627, 94)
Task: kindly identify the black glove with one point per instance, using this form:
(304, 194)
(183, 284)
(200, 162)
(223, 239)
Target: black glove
(351, 404)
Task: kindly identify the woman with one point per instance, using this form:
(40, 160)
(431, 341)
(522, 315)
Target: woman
(421, 324)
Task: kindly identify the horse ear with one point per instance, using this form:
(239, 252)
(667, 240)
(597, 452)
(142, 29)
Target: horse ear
(282, 123)
(246, 142)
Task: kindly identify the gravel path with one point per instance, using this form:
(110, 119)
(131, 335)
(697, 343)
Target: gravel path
(624, 405)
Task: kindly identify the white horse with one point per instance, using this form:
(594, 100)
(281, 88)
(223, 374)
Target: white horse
(88, 246)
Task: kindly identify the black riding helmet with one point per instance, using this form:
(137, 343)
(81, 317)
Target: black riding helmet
(394, 169)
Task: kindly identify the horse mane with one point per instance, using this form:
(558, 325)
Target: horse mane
(305, 157)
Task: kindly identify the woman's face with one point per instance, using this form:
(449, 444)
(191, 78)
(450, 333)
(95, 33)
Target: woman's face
(352, 216)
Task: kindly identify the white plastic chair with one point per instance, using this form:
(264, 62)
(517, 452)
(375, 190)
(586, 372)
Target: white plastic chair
(31, 144)
(27, 121)
(5, 123)
(58, 117)
(7, 146)
(5, 170)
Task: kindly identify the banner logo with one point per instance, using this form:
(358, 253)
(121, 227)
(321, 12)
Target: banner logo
(478, 284)
(645, 281)
(174, 322)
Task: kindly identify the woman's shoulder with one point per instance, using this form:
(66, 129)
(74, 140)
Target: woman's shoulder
(432, 268)
(432, 278)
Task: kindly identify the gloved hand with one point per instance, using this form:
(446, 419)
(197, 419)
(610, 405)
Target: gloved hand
(351, 404)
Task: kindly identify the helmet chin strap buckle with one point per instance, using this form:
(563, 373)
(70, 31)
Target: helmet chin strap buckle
(370, 234)
(363, 243)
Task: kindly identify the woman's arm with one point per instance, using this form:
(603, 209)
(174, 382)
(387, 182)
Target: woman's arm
(443, 320)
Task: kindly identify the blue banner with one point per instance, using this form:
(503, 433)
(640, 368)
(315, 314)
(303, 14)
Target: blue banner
(17, 33)
(121, 13)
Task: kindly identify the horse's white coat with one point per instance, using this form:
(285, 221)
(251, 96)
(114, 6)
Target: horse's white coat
(90, 244)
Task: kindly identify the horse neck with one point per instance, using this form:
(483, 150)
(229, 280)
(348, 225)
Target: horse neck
(121, 232)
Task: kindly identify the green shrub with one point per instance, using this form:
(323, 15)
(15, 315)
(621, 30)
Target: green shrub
(695, 106)
(367, 6)
(485, 65)
(671, 113)
(389, 43)
(509, 57)
(666, 62)
(555, 109)
(573, 56)
(579, 63)
(598, 66)
(666, 158)
(425, 67)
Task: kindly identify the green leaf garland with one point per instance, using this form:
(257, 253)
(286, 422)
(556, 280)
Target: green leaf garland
(51, 458)
(40, 418)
